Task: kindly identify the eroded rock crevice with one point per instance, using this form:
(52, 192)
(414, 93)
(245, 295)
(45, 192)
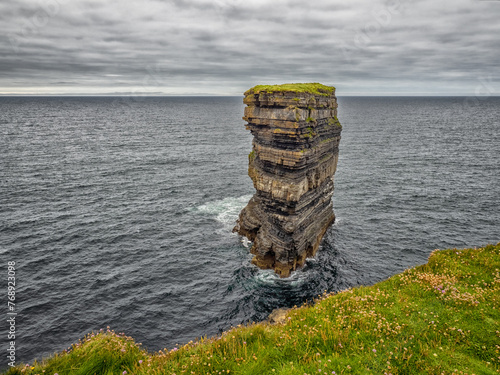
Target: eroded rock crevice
(292, 164)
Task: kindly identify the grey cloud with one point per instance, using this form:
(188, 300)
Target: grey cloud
(174, 46)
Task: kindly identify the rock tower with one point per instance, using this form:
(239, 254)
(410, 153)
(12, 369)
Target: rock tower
(295, 151)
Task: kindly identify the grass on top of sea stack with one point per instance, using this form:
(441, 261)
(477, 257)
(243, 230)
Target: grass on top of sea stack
(439, 318)
(311, 88)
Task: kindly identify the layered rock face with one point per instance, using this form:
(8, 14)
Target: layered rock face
(294, 157)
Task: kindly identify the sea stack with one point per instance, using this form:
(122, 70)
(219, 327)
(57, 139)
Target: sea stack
(295, 152)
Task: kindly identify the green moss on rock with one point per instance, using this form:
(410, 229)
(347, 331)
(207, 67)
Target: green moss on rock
(334, 122)
(251, 156)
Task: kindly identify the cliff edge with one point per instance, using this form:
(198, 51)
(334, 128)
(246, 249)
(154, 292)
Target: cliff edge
(295, 152)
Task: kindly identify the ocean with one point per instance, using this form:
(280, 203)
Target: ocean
(118, 212)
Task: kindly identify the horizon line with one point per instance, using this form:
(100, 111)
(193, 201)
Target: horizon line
(236, 95)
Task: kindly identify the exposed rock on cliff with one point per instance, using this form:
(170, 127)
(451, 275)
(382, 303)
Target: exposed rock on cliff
(294, 157)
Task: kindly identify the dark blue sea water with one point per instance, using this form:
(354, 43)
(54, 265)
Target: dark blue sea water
(120, 212)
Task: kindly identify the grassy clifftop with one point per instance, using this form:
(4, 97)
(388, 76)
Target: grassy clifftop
(310, 88)
(439, 318)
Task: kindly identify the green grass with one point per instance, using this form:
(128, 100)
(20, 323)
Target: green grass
(311, 88)
(439, 318)
(104, 352)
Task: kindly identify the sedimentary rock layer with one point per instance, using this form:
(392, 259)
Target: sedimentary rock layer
(294, 157)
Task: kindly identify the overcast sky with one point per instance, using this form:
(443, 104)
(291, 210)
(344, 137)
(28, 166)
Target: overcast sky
(223, 47)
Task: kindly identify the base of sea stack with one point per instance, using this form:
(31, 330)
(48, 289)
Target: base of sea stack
(269, 261)
(294, 157)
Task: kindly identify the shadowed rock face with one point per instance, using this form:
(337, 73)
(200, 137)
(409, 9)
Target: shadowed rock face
(294, 157)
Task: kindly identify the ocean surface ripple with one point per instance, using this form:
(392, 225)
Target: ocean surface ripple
(120, 212)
